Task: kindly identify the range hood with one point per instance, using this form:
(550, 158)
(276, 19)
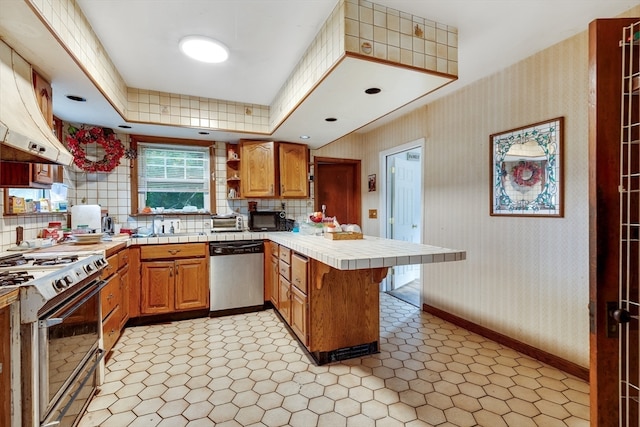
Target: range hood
(25, 135)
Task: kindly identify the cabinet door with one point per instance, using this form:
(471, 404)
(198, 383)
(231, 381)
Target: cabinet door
(192, 284)
(274, 281)
(299, 268)
(5, 363)
(293, 162)
(258, 173)
(43, 173)
(124, 296)
(299, 314)
(110, 295)
(284, 299)
(157, 290)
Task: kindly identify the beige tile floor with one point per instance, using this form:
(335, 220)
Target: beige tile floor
(247, 370)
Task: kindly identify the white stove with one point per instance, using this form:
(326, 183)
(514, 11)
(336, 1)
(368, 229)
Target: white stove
(44, 278)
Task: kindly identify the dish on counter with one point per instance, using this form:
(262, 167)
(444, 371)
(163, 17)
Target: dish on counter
(87, 238)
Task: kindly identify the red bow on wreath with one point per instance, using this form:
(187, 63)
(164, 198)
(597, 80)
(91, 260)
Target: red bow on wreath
(113, 148)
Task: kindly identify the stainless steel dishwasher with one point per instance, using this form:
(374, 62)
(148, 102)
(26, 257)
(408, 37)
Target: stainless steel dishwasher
(236, 281)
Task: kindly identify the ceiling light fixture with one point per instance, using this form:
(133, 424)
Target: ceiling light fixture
(204, 49)
(331, 119)
(124, 126)
(203, 132)
(373, 91)
(76, 98)
(305, 137)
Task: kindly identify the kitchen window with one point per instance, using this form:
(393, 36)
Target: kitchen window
(171, 175)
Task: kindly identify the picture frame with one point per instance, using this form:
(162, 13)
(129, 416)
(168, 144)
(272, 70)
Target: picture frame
(526, 170)
(372, 182)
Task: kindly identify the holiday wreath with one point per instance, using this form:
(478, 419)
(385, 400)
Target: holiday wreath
(526, 174)
(106, 138)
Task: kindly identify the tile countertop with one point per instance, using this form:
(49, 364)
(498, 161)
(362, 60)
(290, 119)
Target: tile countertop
(370, 252)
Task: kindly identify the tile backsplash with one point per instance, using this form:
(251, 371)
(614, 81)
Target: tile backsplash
(112, 192)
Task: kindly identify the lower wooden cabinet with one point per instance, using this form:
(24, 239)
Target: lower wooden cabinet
(174, 278)
(114, 297)
(293, 304)
(5, 366)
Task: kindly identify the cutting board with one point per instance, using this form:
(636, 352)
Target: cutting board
(89, 215)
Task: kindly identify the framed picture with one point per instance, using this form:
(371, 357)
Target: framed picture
(372, 182)
(526, 170)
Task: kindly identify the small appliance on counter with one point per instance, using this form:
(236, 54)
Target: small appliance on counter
(107, 224)
(226, 223)
(88, 215)
(269, 221)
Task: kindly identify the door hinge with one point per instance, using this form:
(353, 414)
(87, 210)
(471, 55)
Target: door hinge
(391, 221)
(393, 169)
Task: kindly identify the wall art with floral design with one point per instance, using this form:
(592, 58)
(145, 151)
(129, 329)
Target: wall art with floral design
(526, 170)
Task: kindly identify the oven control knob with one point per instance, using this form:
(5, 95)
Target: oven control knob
(88, 268)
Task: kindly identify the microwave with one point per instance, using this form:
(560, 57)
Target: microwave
(267, 221)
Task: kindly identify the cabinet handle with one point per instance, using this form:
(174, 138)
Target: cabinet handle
(170, 271)
(282, 189)
(174, 251)
(271, 189)
(110, 297)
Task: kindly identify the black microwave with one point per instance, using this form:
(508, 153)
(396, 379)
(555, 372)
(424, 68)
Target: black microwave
(267, 221)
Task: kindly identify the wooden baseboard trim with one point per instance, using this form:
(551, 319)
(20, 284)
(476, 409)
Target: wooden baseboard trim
(543, 356)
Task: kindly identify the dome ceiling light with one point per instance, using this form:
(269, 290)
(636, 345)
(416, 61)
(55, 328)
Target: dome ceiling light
(204, 49)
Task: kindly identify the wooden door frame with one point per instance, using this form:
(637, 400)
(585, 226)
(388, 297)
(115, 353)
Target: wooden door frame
(605, 84)
(357, 203)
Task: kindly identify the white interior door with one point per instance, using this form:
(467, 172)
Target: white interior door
(403, 206)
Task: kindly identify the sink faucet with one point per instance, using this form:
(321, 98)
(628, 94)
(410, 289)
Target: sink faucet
(153, 224)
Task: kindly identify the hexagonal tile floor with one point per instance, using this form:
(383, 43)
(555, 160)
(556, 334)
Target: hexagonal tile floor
(247, 370)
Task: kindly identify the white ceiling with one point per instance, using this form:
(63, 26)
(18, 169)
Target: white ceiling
(266, 39)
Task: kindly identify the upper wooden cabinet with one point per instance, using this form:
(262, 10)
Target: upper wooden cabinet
(44, 96)
(258, 171)
(294, 161)
(273, 169)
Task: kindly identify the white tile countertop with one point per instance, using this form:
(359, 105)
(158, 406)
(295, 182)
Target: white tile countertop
(370, 252)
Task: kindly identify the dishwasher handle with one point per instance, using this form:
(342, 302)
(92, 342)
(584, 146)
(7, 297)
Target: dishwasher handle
(236, 248)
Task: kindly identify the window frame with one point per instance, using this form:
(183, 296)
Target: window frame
(136, 139)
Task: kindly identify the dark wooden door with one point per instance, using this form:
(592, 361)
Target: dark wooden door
(605, 71)
(337, 186)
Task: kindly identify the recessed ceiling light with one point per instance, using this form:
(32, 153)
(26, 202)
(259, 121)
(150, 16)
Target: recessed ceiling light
(203, 133)
(372, 90)
(124, 126)
(204, 49)
(76, 98)
(304, 137)
(331, 119)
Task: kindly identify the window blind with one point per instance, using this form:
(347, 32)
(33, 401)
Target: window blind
(173, 169)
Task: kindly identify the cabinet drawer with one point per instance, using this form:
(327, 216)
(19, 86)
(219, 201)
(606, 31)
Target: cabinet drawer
(285, 254)
(274, 249)
(111, 330)
(123, 258)
(284, 269)
(299, 272)
(109, 295)
(173, 251)
(111, 267)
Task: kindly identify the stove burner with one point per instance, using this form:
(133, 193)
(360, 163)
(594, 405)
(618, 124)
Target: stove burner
(13, 278)
(55, 261)
(12, 261)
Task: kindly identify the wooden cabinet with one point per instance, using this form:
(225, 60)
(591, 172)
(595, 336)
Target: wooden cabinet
(175, 277)
(114, 297)
(333, 313)
(273, 169)
(258, 171)
(5, 366)
(271, 282)
(44, 97)
(292, 291)
(233, 172)
(293, 162)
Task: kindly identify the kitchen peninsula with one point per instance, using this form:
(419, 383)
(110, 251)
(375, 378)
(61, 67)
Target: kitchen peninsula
(328, 290)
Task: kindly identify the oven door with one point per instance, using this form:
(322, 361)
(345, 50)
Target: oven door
(68, 343)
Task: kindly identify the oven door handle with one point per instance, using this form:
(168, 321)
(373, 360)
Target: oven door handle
(52, 321)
